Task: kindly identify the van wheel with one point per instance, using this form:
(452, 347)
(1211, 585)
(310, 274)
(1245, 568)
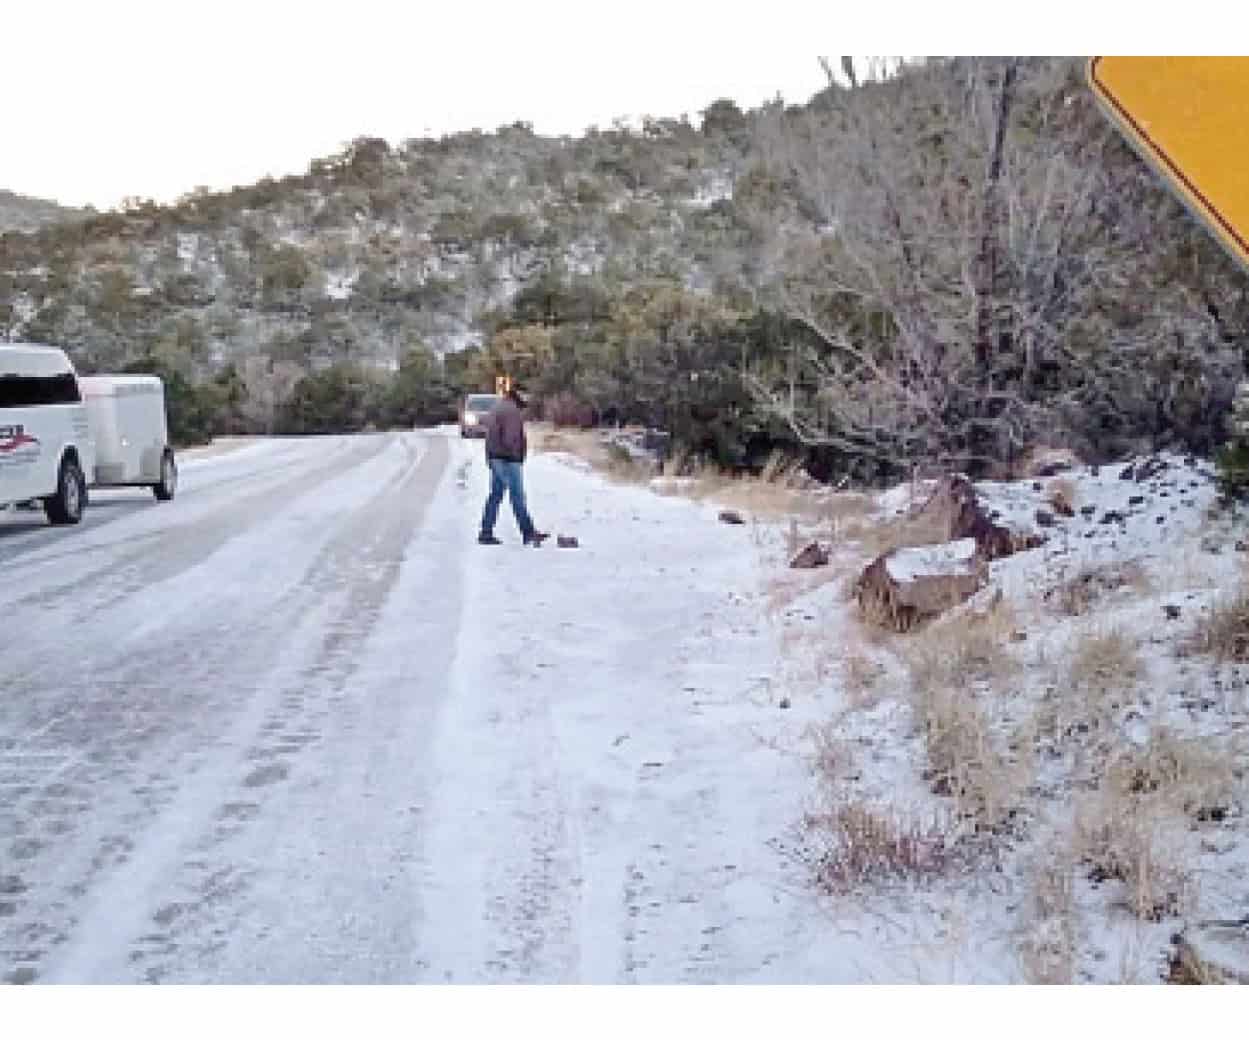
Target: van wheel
(164, 490)
(66, 506)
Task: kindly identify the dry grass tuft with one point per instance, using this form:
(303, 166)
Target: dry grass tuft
(1134, 841)
(551, 440)
(1185, 775)
(965, 761)
(860, 679)
(1049, 932)
(859, 844)
(1224, 630)
(960, 650)
(1103, 663)
(833, 758)
(967, 758)
(1074, 596)
(1061, 495)
(880, 536)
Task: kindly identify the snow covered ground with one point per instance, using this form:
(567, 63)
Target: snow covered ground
(298, 727)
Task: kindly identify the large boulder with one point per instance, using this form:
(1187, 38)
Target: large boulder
(953, 512)
(905, 586)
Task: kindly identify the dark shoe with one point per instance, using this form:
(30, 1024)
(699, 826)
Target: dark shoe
(486, 538)
(536, 539)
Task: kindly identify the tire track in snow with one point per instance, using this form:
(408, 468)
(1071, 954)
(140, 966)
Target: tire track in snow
(36, 539)
(186, 536)
(501, 852)
(318, 711)
(139, 730)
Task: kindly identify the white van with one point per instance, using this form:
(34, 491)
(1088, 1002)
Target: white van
(127, 416)
(46, 448)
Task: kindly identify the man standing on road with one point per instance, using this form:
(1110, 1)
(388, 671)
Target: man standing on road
(505, 455)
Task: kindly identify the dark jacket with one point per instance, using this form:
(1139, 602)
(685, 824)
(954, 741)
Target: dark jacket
(505, 437)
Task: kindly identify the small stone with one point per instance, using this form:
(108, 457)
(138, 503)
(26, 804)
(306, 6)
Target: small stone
(1160, 519)
(1136, 500)
(1128, 472)
(1242, 546)
(1172, 611)
(567, 541)
(814, 555)
(1088, 511)
(784, 702)
(1018, 637)
(1112, 516)
(1044, 518)
(731, 516)
(1036, 485)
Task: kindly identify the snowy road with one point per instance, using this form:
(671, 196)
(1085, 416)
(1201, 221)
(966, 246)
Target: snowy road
(297, 727)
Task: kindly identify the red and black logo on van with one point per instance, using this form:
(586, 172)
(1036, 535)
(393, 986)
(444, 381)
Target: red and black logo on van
(13, 438)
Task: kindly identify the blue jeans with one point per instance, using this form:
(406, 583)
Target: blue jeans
(506, 476)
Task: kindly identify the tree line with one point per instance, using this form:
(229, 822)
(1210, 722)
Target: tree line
(937, 265)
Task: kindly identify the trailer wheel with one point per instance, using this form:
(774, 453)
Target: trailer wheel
(168, 484)
(66, 506)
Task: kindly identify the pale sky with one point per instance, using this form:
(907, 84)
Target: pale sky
(110, 98)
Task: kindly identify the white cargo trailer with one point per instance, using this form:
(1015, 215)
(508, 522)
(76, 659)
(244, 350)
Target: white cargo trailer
(127, 415)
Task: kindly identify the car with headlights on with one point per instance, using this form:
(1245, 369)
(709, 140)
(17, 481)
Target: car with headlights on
(475, 412)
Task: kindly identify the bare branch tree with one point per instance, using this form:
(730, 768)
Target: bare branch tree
(948, 241)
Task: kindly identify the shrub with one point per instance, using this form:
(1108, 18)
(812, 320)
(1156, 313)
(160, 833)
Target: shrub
(565, 409)
(858, 843)
(1127, 839)
(1224, 630)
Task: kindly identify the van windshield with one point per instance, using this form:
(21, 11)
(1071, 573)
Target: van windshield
(481, 402)
(30, 391)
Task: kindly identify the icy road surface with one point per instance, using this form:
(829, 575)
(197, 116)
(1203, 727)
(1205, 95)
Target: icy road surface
(296, 726)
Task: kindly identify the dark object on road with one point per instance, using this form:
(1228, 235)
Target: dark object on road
(1045, 518)
(567, 541)
(814, 555)
(1171, 611)
(731, 516)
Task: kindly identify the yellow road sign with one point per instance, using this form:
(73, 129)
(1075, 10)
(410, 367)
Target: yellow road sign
(1189, 118)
